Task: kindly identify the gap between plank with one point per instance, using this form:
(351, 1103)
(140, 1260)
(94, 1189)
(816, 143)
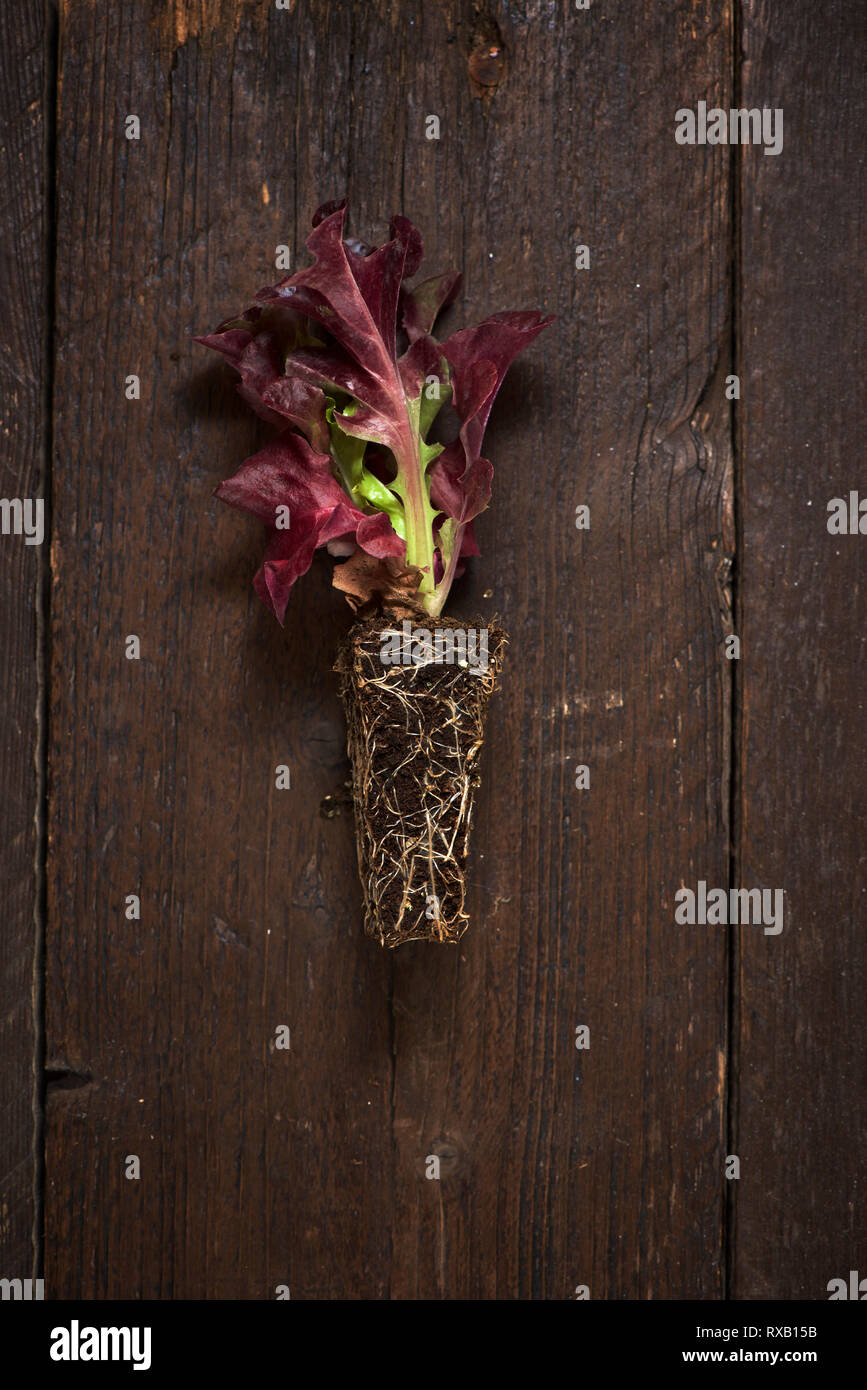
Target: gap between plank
(736, 688)
(50, 48)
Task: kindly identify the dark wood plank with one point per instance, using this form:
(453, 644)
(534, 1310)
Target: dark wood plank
(803, 1060)
(563, 1168)
(24, 50)
(259, 1167)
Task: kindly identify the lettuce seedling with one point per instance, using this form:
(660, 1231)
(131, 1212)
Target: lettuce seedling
(341, 358)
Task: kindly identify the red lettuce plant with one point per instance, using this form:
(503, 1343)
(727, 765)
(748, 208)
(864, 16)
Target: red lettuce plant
(341, 358)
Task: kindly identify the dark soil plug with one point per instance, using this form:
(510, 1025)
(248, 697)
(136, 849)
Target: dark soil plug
(415, 733)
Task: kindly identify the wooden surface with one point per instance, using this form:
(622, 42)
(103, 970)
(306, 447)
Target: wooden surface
(263, 1167)
(802, 1078)
(25, 60)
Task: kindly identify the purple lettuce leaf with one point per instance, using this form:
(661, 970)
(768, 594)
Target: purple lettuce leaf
(320, 356)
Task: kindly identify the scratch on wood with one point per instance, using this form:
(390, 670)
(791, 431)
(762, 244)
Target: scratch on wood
(176, 21)
(609, 699)
(227, 935)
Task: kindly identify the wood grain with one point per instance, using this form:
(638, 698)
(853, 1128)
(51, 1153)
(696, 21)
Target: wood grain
(259, 1167)
(558, 1168)
(25, 49)
(802, 1077)
(602, 1168)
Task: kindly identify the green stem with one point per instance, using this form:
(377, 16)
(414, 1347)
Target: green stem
(435, 603)
(419, 541)
(411, 486)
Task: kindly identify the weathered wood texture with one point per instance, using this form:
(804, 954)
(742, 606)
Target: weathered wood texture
(803, 1059)
(566, 1168)
(259, 1166)
(306, 1167)
(262, 1167)
(24, 50)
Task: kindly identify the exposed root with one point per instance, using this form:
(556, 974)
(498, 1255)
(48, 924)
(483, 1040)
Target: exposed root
(415, 732)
